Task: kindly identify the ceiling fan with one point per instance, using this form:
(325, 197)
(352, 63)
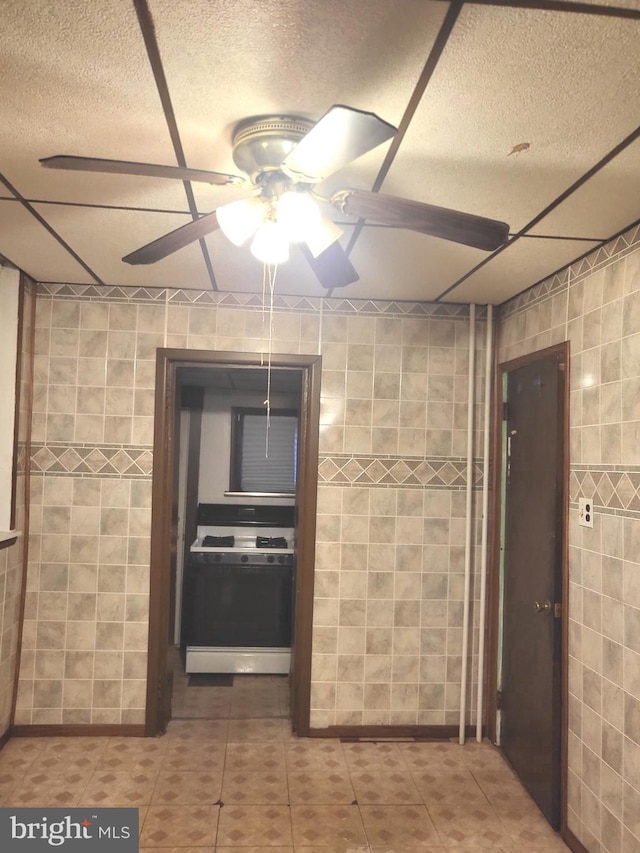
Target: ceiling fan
(284, 158)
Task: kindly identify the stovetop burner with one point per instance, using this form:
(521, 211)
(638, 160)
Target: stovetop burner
(218, 541)
(271, 542)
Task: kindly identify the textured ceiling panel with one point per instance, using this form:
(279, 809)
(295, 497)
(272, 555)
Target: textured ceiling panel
(74, 79)
(426, 268)
(226, 61)
(28, 245)
(526, 262)
(606, 204)
(561, 83)
(85, 230)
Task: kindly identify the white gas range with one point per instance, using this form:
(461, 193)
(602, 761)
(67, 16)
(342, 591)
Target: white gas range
(239, 590)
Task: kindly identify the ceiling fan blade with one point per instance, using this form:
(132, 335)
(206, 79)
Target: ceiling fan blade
(174, 240)
(341, 135)
(331, 267)
(146, 170)
(454, 225)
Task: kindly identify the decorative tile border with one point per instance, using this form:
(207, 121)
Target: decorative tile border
(91, 460)
(601, 257)
(614, 488)
(432, 472)
(299, 304)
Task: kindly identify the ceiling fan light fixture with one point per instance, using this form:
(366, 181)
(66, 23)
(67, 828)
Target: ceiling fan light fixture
(298, 214)
(323, 235)
(240, 220)
(271, 243)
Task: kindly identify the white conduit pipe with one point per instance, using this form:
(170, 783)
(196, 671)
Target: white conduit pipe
(467, 549)
(485, 519)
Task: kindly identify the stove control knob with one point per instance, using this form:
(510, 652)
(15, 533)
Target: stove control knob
(244, 559)
(270, 558)
(217, 558)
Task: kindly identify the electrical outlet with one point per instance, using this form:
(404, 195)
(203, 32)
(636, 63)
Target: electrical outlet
(585, 512)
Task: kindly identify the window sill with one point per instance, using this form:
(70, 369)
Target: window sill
(259, 494)
(8, 537)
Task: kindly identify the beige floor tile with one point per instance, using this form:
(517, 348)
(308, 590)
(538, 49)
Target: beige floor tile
(193, 757)
(327, 825)
(399, 826)
(384, 787)
(321, 787)
(17, 757)
(444, 785)
(469, 825)
(430, 849)
(261, 757)
(133, 755)
(362, 756)
(255, 788)
(72, 777)
(196, 730)
(267, 849)
(315, 756)
(186, 788)
(37, 796)
(420, 757)
(119, 788)
(258, 730)
(180, 849)
(180, 826)
(254, 826)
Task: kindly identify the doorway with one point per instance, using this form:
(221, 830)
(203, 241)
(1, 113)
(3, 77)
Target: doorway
(167, 522)
(528, 665)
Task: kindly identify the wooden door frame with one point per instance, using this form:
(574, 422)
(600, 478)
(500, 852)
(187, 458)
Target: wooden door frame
(493, 589)
(160, 598)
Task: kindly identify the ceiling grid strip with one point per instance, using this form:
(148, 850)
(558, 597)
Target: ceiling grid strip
(611, 155)
(153, 52)
(23, 201)
(433, 58)
(560, 6)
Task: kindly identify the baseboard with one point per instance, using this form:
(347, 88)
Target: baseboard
(574, 844)
(5, 738)
(392, 732)
(79, 730)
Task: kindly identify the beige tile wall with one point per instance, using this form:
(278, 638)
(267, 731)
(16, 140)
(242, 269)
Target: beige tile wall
(387, 624)
(596, 306)
(12, 557)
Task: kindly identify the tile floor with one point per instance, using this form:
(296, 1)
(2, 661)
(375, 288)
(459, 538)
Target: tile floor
(230, 777)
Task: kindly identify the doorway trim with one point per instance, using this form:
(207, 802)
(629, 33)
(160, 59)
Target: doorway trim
(562, 352)
(163, 534)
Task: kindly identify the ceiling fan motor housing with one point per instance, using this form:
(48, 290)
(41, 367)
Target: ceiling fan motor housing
(261, 144)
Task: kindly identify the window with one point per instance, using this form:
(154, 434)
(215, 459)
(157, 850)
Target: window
(264, 457)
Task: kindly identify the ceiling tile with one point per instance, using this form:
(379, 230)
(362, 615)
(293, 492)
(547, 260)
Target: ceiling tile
(604, 205)
(510, 77)
(526, 262)
(103, 237)
(28, 245)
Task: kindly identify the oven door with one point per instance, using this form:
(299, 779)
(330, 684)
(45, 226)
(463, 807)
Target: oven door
(238, 605)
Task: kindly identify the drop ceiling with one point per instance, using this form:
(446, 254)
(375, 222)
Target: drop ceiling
(525, 112)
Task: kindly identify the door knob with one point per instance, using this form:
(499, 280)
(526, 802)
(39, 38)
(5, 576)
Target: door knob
(542, 606)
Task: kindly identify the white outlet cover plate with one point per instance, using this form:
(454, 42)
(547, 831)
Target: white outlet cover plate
(585, 512)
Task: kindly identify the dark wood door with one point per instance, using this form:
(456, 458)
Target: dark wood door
(532, 571)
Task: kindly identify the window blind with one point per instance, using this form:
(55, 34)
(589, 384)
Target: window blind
(269, 457)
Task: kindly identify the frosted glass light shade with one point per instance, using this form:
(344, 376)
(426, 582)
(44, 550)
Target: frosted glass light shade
(298, 214)
(240, 220)
(323, 235)
(271, 244)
